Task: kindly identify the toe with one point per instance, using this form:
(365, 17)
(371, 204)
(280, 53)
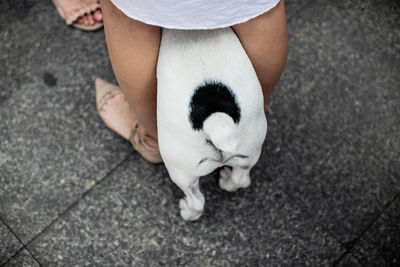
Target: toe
(84, 20)
(90, 19)
(98, 16)
(80, 20)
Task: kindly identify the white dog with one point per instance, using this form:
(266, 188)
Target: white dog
(210, 112)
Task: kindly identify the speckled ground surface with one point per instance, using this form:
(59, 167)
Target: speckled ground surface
(326, 191)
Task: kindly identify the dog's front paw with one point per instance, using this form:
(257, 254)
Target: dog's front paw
(187, 213)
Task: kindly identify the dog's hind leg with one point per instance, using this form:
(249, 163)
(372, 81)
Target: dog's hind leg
(235, 178)
(192, 205)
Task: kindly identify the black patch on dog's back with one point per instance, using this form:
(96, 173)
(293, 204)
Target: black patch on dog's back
(212, 97)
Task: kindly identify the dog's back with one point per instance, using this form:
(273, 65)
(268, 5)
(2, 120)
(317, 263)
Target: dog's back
(210, 103)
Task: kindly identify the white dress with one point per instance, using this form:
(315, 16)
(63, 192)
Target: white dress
(194, 14)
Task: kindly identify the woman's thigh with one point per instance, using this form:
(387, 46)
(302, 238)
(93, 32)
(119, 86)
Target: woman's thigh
(133, 48)
(265, 40)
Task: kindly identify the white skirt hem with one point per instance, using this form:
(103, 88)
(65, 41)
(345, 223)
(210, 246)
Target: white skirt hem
(134, 14)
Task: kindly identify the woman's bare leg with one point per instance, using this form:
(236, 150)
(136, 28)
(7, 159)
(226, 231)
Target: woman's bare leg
(265, 40)
(133, 49)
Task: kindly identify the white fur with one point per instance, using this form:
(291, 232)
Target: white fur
(223, 132)
(186, 60)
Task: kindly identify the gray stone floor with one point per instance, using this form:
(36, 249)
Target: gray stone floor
(325, 192)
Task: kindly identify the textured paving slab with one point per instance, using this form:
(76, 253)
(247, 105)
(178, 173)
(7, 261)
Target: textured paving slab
(381, 17)
(376, 38)
(331, 162)
(132, 218)
(23, 258)
(349, 261)
(338, 133)
(9, 244)
(54, 145)
(380, 245)
(295, 6)
(3, 158)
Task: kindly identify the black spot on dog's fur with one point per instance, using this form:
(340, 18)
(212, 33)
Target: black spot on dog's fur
(209, 98)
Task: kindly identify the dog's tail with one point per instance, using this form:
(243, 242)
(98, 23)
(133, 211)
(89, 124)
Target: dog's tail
(222, 131)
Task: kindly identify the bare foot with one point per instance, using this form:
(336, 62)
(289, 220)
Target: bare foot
(116, 113)
(114, 109)
(85, 12)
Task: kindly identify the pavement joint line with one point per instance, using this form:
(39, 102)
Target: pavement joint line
(356, 239)
(60, 215)
(18, 251)
(15, 254)
(20, 241)
(351, 244)
(347, 252)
